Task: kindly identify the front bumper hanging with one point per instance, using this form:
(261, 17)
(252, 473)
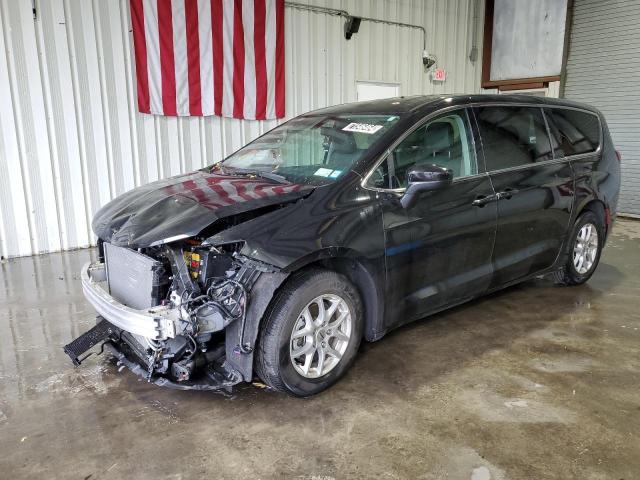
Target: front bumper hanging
(142, 338)
(212, 379)
(127, 353)
(98, 334)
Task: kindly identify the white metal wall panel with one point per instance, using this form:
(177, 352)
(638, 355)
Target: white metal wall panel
(605, 38)
(71, 138)
(34, 159)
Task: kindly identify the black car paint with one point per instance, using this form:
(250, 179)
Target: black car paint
(533, 217)
(184, 206)
(438, 252)
(442, 252)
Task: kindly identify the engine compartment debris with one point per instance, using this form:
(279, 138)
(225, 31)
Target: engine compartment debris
(187, 293)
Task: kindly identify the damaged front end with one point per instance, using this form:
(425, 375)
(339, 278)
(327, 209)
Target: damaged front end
(183, 315)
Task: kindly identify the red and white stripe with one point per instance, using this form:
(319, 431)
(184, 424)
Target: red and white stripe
(217, 192)
(210, 57)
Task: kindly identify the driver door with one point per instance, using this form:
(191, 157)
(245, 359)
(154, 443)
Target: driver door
(437, 252)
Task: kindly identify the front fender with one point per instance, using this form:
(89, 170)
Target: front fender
(326, 224)
(338, 222)
(322, 254)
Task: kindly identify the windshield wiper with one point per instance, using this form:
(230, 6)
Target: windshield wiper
(262, 174)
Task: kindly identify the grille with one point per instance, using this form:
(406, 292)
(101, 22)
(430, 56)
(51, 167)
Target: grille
(134, 279)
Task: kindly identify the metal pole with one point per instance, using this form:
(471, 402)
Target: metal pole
(344, 13)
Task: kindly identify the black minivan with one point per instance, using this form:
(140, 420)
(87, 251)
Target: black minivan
(342, 224)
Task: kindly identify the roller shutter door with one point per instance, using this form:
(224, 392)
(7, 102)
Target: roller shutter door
(603, 69)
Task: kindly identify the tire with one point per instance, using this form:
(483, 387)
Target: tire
(571, 273)
(276, 361)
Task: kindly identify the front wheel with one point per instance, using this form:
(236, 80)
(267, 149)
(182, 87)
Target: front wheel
(311, 333)
(583, 251)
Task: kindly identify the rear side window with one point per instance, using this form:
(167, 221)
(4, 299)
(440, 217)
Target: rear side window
(573, 132)
(513, 136)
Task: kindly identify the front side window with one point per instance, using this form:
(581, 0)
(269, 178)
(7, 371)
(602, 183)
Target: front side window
(444, 141)
(312, 149)
(573, 132)
(513, 136)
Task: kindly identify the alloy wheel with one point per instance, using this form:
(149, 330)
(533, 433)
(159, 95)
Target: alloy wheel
(320, 336)
(585, 248)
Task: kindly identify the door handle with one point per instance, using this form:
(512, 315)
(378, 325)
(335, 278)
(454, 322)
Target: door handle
(507, 193)
(482, 200)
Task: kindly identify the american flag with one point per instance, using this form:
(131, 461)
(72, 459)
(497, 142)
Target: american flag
(210, 57)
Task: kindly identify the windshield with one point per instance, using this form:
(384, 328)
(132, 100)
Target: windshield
(312, 149)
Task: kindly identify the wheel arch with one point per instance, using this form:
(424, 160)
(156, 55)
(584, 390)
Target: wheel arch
(595, 205)
(360, 272)
(598, 207)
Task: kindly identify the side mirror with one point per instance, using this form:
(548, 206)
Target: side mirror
(423, 178)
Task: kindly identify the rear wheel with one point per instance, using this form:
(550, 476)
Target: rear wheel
(311, 333)
(583, 251)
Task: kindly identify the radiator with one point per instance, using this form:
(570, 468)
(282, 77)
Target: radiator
(134, 279)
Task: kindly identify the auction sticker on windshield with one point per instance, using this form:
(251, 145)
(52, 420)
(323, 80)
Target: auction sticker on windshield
(362, 128)
(323, 172)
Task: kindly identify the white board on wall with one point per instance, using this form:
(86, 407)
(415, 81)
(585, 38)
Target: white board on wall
(376, 90)
(528, 38)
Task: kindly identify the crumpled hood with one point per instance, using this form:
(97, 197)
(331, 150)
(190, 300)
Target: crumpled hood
(182, 206)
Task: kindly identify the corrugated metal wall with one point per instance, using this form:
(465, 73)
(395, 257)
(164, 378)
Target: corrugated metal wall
(605, 38)
(70, 136)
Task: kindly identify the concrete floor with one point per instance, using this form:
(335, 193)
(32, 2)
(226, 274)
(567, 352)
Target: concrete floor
(534, 382)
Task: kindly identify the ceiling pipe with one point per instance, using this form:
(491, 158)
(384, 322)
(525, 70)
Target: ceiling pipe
(347, 15)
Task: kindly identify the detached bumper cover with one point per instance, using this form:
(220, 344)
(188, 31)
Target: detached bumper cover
(131, 355)
(211, 380)
(156, 323)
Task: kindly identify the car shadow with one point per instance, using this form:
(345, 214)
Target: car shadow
(417, 354)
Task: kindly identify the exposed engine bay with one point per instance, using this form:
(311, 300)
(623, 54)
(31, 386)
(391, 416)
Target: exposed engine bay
(179, 297)
(167, 308)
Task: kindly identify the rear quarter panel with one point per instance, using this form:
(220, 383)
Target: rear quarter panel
(597, 176)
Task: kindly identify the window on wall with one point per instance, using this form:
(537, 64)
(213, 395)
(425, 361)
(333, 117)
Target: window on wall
(444, 141)
(573, 132)
(513, 136)
(529, 92)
